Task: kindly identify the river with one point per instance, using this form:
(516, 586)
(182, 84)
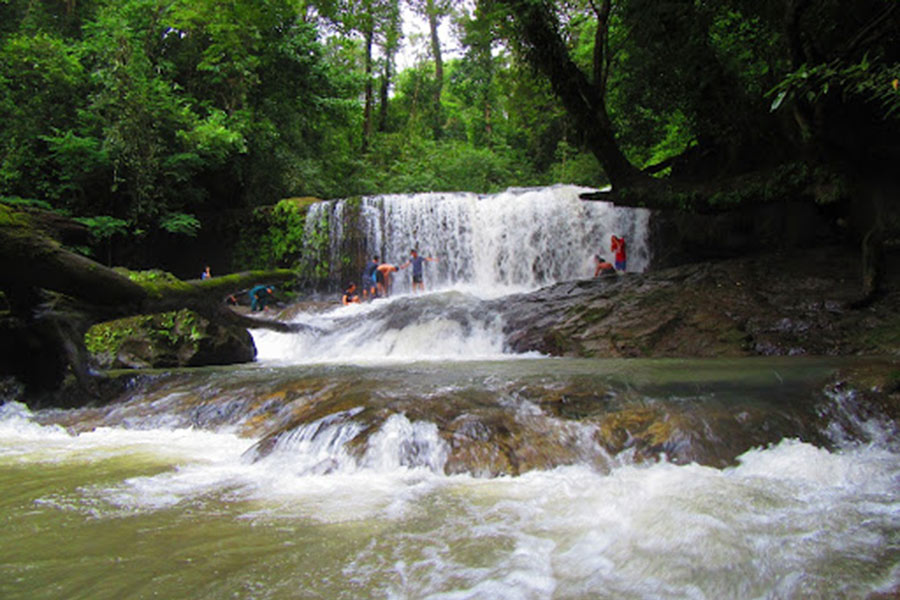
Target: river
(398, 449)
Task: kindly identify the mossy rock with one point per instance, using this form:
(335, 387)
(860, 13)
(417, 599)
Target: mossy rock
(171, 339)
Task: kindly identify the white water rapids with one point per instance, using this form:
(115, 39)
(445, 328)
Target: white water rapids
(788, 521)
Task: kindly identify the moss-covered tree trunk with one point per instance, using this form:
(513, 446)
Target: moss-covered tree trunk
(54, 295)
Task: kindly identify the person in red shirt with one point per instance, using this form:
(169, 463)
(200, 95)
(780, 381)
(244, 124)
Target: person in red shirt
(617, 246)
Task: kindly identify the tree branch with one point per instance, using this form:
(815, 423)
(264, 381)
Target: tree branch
(538, 30)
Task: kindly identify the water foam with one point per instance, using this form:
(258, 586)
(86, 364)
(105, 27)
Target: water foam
(788, 520)
(437, 326)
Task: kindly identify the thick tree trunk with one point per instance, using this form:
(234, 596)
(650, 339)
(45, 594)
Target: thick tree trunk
(369, 100)
(383, 95)
(432, 11)
(538, 30)
(601, 45)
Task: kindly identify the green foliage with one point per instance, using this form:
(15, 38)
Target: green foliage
(10, 217)
(872, 83)
(152, 112)
(287, 229)
(180, 223)
(316, 249)
(147, 110)
(403, 165)
(575, 166)
(103, 227)
(275, 236)
(41, 82)
(150, 276)
(16, 201)
(168, 331)
(108, 337)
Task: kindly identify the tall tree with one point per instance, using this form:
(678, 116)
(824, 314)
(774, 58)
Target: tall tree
(433, 11)
(391, 35)
(534, 26)
(713, 63)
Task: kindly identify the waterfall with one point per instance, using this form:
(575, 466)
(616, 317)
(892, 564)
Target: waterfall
(486, 246)
(491, 244)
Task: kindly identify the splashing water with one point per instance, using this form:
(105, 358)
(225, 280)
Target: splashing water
(185, 509)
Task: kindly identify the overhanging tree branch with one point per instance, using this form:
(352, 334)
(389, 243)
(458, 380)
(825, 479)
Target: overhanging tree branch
(55, 295)
(537, 29)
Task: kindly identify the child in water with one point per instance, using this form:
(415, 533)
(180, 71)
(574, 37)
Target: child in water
(350, 296)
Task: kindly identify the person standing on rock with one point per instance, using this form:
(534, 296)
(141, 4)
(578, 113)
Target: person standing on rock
(418, 270)
(617, 246)
(369, 278)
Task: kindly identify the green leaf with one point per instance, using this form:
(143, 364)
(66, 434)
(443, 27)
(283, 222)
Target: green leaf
(776, 103)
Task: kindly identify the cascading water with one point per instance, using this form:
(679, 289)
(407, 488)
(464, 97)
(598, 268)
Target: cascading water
(491, 244)
(357, 502)
(486, 245)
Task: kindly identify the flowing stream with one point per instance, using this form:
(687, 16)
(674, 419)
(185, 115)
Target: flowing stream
(398, 449)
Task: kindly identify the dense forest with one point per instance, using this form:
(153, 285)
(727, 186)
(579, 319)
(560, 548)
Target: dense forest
(140, 116)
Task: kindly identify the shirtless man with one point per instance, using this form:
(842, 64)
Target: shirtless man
(383, 278)
(604, 267)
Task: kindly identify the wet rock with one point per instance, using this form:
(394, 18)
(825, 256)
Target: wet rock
(760, 305)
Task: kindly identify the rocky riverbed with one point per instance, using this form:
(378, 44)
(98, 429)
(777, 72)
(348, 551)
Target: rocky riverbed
(770, 304)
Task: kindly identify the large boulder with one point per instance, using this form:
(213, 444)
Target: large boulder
(172, 339)
(763, 304)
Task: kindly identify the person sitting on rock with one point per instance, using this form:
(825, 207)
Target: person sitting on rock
(604, 267)
(350, 296)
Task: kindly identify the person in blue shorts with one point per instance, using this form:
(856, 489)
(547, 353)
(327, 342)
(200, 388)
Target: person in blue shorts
(418, 270)
(369, 278)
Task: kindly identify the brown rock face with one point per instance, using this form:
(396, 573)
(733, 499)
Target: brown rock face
(762, 305)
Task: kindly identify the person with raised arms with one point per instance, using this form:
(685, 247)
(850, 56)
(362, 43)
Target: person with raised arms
(418, 270)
